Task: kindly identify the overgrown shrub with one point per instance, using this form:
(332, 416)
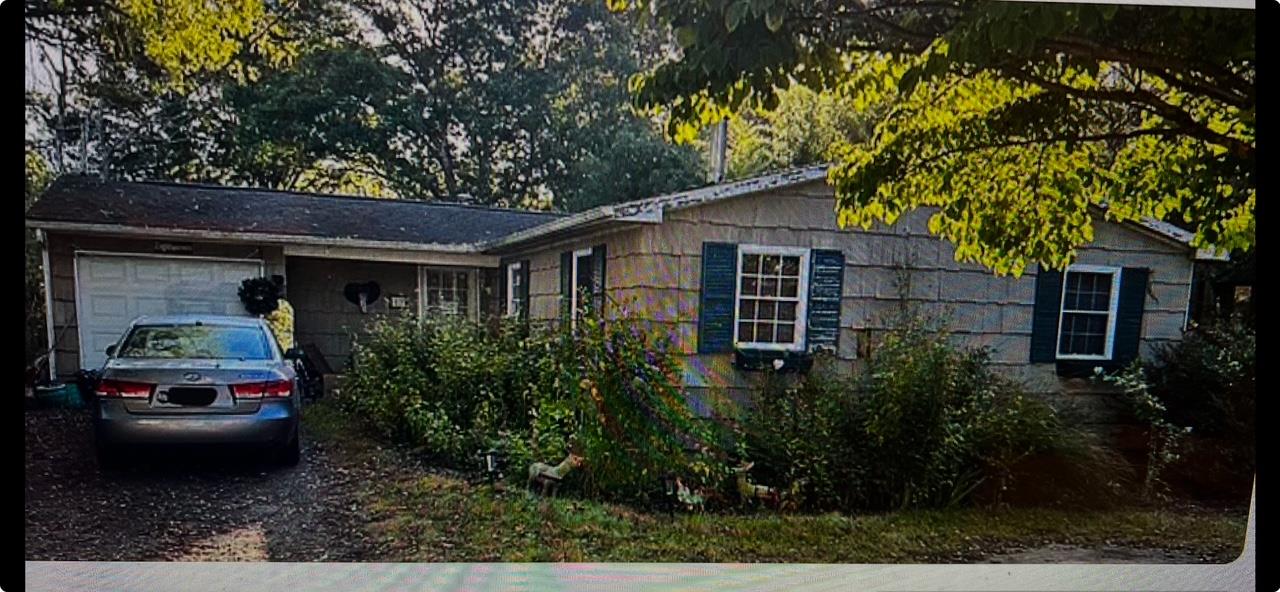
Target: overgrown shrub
(925, 425)
(1198, 397)
(799, 433)
(1164, 438)
(443, 385)
(636, 425)
(608, 389)
(1207, 380)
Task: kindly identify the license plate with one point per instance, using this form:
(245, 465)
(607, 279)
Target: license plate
(191, 396)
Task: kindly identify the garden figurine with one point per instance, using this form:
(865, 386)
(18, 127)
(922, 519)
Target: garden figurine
(751, 491)
(692, 500)
(548, 478)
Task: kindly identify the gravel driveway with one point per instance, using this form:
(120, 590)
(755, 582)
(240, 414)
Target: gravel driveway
(219, 509)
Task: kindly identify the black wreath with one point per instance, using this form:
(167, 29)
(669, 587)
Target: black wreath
(370, 289)
(260, 295)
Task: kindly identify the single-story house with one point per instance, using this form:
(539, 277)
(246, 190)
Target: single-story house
(739, 274)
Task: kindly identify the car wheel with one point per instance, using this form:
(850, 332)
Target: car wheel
(291, 453)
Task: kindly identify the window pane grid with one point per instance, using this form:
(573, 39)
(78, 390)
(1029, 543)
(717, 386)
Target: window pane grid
(515, 280)
(768, 298)
(446, 292)
(1086, 314)
(1087, 291)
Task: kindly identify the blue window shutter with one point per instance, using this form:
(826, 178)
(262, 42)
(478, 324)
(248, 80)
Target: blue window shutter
(566, 283)
(1044, 317)
(826, 283)
(715, 310)
(1129, 309)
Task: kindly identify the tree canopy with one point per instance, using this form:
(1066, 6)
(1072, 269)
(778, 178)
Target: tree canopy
(507, 102)
(805, 128)
(1015, 121)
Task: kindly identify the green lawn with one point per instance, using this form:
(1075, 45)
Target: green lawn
(423, 516)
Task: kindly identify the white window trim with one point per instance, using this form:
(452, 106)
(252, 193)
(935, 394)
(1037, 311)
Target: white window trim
(1111, 311)
(513, 271)
(473, 298)
(802, 319)
(573, 285)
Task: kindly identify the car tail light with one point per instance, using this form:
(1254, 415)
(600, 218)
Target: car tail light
(275, 389)
(124, 389)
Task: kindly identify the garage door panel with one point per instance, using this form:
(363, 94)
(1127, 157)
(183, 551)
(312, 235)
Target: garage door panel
(146, 271)
(113, 290)
(107, 306)
(228, 276)
(199, 275)
(195, 307)
(150, 305)
(99, 341)
(104, 271)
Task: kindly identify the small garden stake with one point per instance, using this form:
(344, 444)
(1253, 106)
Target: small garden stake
(492, 466)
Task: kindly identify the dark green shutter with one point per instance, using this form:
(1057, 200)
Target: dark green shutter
(566, 283)
(1129, 308)
(597, 279)
(826, 283)
(715, 306)
(524, 290)
(1044, 317)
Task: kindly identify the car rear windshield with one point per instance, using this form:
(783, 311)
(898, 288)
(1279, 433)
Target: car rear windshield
(211, 342)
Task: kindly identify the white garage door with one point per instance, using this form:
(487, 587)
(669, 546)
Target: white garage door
(112, 290)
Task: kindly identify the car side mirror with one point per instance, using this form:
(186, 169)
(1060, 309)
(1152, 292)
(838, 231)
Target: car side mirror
(111, 350)
(294, 353)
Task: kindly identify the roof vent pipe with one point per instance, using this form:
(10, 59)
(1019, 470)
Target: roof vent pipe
(719, 149)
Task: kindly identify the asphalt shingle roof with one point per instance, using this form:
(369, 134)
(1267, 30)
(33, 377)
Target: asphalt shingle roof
(156, 205)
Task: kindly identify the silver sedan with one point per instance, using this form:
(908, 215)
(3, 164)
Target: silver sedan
(197, 380)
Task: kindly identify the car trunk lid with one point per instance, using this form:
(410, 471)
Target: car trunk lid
(192, 386)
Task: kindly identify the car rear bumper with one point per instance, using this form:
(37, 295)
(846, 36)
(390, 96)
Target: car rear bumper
(275, 423)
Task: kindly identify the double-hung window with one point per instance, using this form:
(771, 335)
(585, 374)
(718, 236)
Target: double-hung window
(515, 289)
(582, 279)
(583, 284)
(446, 292)
(772, 285)
(1087, 326)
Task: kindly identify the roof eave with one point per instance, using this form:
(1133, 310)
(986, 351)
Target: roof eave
(1179, 237)
(1211, 255)
(653, 209)
(583, 221)
(255, 237)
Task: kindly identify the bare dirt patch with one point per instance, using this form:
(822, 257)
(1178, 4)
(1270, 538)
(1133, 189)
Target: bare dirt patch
(214, 507)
